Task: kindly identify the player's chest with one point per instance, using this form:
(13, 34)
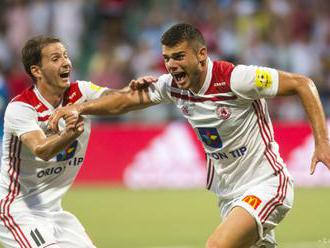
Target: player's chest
(224, 113)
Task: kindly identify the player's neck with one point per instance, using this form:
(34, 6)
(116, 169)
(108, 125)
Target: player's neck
(54, 96)
(197, 87)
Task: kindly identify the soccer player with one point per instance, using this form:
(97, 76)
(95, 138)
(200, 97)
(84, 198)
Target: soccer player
(226, 106)
(38, 166)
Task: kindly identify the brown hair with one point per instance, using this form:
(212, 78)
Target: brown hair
(182, 32)
(31, 52)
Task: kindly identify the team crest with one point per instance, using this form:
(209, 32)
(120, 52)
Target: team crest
(68, 152)
(185, 110)
(210, 137)
(223, 112)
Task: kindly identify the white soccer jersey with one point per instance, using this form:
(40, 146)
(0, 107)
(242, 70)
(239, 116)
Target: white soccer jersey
(26, 181)
(231, 119)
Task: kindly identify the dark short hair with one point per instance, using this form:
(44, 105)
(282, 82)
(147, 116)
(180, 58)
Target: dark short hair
(31, 52)
(182, 32)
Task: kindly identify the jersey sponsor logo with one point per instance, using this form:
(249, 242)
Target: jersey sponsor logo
(263, 78)
(76, 161)
(50, 171)
(68, 152)
(95, 87)
(210, 136)
(236, 153)
(223, 112)
(252, 200)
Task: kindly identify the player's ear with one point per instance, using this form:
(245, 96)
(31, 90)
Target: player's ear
(202, 55)
(35, 70)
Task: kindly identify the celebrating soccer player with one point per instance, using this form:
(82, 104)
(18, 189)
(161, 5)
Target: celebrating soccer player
(226, 106)
(38, 166)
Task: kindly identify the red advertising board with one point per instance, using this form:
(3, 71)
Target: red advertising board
(169, 155)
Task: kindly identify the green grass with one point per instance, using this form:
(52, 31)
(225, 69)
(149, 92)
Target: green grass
(120, 218)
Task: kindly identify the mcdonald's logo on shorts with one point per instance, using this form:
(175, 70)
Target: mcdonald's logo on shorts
(252, 200)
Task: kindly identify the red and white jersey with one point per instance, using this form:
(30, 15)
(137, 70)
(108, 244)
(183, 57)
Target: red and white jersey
(26, 181)
(230, 117)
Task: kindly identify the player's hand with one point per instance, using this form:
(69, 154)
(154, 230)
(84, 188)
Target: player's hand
(76, 130)
(69, 113)
(321, 154)
(142, 82)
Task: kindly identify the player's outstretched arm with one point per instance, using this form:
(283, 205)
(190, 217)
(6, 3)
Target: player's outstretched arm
(113, 102)
(290, 84)
(47, 147)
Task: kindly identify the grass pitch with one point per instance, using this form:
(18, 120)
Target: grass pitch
(121, 218)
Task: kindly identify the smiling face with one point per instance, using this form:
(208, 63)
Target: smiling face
(55, 67)
(186, 64)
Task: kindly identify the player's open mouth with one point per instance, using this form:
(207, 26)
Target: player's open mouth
(65, 75)
(179, 77)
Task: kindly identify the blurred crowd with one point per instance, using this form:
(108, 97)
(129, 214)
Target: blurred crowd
(112, 41)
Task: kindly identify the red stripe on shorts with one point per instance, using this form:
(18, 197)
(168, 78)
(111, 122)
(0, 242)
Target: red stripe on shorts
(279, 200)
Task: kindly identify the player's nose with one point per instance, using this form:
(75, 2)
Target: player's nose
(171, 65)
(67, 63)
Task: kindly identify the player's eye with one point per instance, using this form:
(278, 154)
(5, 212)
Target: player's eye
(179, 57)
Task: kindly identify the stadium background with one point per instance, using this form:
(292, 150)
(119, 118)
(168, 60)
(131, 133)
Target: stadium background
(142, 181)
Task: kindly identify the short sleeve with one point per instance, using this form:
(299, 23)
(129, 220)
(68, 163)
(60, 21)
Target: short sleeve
(159, 91)
(91, 90)
(20, 118)
(254, 82)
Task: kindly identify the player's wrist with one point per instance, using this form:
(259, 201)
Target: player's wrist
(322, 140)
(80, 108)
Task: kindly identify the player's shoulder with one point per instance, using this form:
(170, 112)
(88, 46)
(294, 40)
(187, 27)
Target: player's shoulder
(220, 79)
(74, 92)
(222, 66)
(28, 98)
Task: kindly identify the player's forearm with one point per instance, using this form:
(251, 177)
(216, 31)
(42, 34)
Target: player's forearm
(309, 96)
(52, 145)
(115, 103)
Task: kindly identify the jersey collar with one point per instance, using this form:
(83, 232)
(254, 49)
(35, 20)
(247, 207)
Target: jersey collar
(208, 77)
(42, 99)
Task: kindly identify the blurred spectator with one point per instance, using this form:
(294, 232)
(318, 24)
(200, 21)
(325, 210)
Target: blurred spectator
(109, 65)
(112, 41)
(68, 23)
(17, 80)
(40, 15)
(3, 101)
(18, 29)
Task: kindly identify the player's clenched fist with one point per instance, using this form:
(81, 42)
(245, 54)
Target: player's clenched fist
(70, 115)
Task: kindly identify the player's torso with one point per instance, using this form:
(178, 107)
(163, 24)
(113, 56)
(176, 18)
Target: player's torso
(28, 176)
(236, 133)
(226, 126)
(34, 172)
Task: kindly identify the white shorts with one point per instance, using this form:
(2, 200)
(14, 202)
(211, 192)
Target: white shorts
(267, 202)
(36, 229)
